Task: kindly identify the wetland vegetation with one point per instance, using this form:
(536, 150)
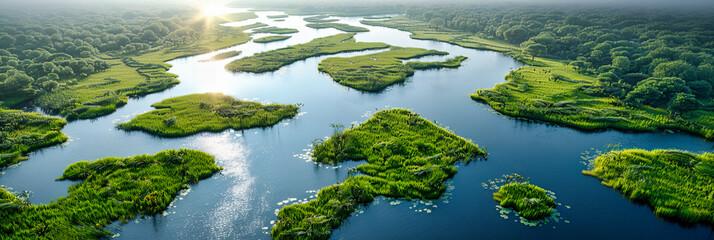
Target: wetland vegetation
(448, 63)
(190, 114)
(274, 59)
(406, 157)
(275, 30)
(108, 190)
(270, 39)
(339, 26)
(374, 72)
(529, 200)
(222, 56)
(22, 132)
(678, 185)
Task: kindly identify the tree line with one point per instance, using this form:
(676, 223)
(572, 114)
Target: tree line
(44, 50)
(645, 56)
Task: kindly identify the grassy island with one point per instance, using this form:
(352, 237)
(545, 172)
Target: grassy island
(22, 132)
(448, 63)
(374, 72)
(529, 200)
(275, 30)
(320, 19)
(270, 39)
(190, 114)
(676, 184)
(110, 189)
(278, 16)
(274, 59)
(406, 157)
(339, 26)
(222, 56)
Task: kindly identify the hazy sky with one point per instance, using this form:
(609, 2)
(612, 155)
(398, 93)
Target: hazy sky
(643, 3)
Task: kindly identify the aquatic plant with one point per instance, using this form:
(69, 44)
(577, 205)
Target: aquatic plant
(407, 157)
(530, 201)
(22, 132)
(190, 114)
(111, 189)
(374, 72)
(677, 184)
(274, 59)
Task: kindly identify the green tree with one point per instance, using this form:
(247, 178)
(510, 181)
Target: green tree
(516, 34)
(535, 49)
(683, 102)
(437, 23)
(645, 94)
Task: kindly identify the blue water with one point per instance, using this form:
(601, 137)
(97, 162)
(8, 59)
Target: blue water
(263, 167)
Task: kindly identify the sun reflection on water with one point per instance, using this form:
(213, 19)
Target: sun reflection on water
(231, 154)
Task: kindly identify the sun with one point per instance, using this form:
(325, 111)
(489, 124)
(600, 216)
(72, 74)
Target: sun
(213, 10)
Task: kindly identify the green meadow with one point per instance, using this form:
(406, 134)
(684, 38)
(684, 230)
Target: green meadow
(213, 112)
(275, 30)
(406, 157)
(678, 185)
(274, 59)
(374, 72)
(108, 190)
(270, 39)
(339, 26)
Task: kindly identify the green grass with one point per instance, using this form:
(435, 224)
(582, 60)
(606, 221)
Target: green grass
(275, 30)
(100, 94)
(191, 114)
(222, 56)
(270, 39)
(407, 157)
(448, 63)
(111, 189)
(339, 26)
(374, 72)
(320, 19)
(531, 92)
(677, 184)
(274, 59)
(529, 200)
(22, 132)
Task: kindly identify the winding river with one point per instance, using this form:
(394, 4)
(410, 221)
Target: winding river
(266, 168)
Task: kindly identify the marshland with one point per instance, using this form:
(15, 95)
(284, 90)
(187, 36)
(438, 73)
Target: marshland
(266, 169)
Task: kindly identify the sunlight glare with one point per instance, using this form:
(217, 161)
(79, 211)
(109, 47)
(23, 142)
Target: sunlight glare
(213, 10)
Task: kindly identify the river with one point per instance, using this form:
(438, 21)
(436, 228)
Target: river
(263, 168)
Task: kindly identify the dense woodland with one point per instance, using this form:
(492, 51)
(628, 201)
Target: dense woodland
(658, 58)
(44, 51)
